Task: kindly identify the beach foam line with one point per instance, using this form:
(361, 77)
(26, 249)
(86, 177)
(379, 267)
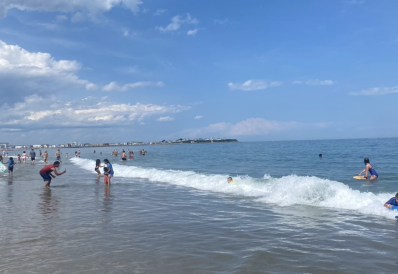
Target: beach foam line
(285, 191)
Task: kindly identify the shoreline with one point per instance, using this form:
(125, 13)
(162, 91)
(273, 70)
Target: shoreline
(157, 144)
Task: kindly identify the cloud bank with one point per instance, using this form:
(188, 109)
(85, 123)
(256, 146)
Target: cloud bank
(36, 112)
(376, 91)
(315, 82)
(176, 23)
(25, 73)
(253, 85)
(91, 6)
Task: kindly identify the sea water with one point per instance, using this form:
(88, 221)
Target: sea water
(172, 210)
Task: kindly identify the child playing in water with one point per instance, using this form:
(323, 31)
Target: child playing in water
(10, 166)
(97, 167)
(19, 158)
(369, 169)
(106, 172)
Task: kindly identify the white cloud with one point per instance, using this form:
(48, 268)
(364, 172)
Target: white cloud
(197, 117)
(252, 126)
(376, 91)
(160, 11)
(221, 22)
(165, 119)
(61, 17)
(91, 6)
(47, 112)
(192, 32)
(23, 72)
(37, 69)
(78, 17)
(253, 85)
(113, 86)
(125, 32)
(176, 23)
(315, 82)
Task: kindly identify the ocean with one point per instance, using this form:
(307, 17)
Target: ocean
(172, 210)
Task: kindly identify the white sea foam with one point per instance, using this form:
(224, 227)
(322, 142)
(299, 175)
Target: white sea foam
(284, 191)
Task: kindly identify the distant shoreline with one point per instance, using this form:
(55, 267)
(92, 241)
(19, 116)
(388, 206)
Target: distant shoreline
(147, 144)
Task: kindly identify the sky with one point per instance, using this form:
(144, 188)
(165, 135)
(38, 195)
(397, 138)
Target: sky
(140, 70)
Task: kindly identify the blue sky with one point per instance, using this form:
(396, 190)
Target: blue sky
(121, 70)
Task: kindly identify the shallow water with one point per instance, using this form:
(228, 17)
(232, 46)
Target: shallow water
(172, 211)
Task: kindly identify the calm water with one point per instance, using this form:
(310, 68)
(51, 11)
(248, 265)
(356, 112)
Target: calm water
(172, 211)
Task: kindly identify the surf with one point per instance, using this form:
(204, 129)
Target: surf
(285, 191)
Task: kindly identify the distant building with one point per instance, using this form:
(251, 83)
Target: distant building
(4, 145)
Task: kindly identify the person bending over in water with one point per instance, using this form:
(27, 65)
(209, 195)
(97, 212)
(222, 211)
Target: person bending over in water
(392, 203)
(45, 173)
(369, 169)
(97, 167)
(230, 181)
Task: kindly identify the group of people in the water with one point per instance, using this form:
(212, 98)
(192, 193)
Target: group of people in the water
(129, 154)
(46, 172)
(108, 170)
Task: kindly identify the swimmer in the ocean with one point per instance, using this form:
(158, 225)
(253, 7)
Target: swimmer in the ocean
(124, 156)
(230, 181)
(392, 203)
(369, 169)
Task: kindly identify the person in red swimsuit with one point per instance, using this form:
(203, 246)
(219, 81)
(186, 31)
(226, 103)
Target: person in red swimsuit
(45, 173)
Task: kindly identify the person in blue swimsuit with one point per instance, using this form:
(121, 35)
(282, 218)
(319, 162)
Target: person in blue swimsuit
(369, 170)
(392, 203)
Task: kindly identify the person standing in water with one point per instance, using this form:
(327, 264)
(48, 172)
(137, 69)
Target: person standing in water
(24, 157)
(45, 156)
(106, 173)
(369, 169)
(67, 156)
(45, 173)
(97, 167)
(110, 172)
(124, 156)
(10, 166)
(32, 156)
(58, 156)
(40, 152)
